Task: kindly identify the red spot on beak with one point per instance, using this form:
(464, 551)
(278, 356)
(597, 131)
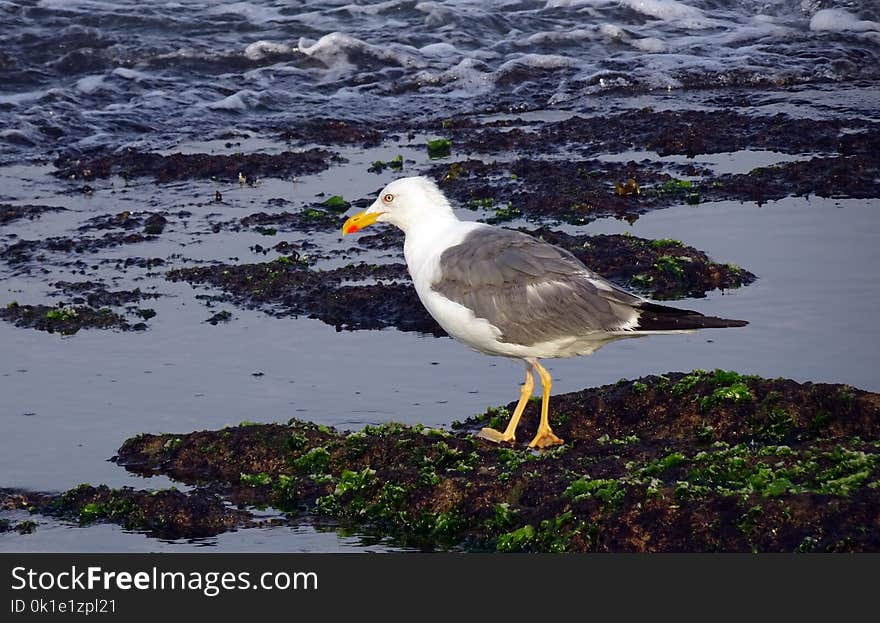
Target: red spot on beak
(351, 229)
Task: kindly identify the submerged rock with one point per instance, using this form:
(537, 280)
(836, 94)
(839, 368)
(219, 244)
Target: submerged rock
(96, 294)
(334, 132)
(66, 320)
(10, 213)
(29, 251)
(165, 514)
(580, 191)
(178, 166)
(288, 286)
(667, 132)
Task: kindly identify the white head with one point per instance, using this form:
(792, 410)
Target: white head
(404, 203)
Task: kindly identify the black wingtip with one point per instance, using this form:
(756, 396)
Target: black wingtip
(734, 323)
(654, 317)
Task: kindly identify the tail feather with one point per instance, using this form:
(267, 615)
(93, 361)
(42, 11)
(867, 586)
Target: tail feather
(653, 317)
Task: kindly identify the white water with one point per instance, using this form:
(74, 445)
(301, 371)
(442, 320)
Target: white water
(146, 72)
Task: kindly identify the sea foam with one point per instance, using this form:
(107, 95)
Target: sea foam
(838, 20)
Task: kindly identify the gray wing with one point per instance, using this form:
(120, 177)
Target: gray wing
(532, 291)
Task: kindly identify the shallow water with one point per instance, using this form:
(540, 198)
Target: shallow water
(54, 536)
(76, 398)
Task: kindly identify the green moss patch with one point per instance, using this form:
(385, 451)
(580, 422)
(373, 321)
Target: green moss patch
(439, 148)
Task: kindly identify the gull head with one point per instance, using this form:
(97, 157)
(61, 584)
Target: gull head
(404, 203)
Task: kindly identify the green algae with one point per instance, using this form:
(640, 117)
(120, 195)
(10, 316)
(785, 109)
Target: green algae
(439, 148)
(516, 540)
(674, 265)
(665, 243)
(506, 213)
(609, 490)
(315, 461)
(62, 314)
(396, 164)
(335, 203)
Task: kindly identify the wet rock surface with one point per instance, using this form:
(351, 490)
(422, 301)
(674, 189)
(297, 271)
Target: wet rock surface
(662, 269)
(385, 238)
(288, 286)
(554, 172)
(10, 213)
(164, 514)
(579, 191)
(666, 132)
(305, 220)
(132, 163)
(65, 320)
(151, 223)
(22, 527)
(571, 190)
(28, 251)
(334, 132)
(706, 461)
(285, 287)
(96, 294)
(851, 176)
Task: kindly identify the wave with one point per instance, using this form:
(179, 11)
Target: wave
(98, 68)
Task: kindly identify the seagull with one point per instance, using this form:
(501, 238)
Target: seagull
(505, 293)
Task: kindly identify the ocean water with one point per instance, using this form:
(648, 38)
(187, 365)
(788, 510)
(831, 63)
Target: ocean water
(79, 74)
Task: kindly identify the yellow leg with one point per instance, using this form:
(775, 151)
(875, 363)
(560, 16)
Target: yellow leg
(509, 433)
(545, 436)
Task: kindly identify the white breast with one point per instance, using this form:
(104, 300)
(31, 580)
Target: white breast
(423, 247)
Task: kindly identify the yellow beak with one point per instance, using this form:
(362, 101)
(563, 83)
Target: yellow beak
(359, 221)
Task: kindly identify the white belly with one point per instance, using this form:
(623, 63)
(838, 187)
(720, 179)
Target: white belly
(460, 322)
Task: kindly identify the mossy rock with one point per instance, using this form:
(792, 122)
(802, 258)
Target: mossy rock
(704, 461)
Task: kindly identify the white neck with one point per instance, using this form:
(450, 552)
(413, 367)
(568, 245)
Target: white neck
(425, 242)
(421, 219)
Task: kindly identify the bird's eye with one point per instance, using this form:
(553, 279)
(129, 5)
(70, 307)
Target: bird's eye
(388, 198)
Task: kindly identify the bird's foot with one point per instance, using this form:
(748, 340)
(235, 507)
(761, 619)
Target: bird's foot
(544, 439)
(490, 434)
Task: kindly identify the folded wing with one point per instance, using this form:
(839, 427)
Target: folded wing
(535, 292)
